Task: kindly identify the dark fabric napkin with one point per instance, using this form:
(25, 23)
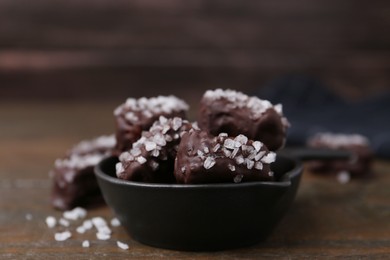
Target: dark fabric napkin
(311, 108)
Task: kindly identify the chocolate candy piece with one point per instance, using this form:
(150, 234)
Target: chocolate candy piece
(74, 182)
(137, 115)
(151, 158)
(202, 158)
(236, 113)
(358, 145)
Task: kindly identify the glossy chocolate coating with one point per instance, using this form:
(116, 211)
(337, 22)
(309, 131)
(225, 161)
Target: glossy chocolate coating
(203, 158)
(220, 111)
(73, 177)
(151, 158)
(137, 115)
(359, 165)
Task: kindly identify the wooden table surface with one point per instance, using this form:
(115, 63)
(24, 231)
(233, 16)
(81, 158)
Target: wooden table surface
(327, 219)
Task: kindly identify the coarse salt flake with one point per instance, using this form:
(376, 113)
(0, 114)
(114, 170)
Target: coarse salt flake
(62, 236)
(141, 160)
(80, 229)
(122, 245)
(257, 145)
(208, 163)
(269, 158)
(102, 236)
(64, 222)
(85, 243)
(229, 143)
(51, 221)
(149, 146)
(115, 222)
(238, 178)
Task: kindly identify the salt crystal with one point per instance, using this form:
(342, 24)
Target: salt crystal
(51, 221)
(259, 155)
(183, 169)
(85, 243)
(252, 155)
(62, 236)
(103, 236)
(122, 245)
(165, 129)
(240, 159)
(247, 149)
(229, 144)
(64, 222)
(119, 168)
(238, 178)
(216, 147)
(226, 152)
(141, 160)
(131, 117)
(208, 163)
(104, 230)
(231, 167)
(176, 136)
(155, 153)
(163, 120)
(115, 222)
(195, 126)
(242, 139)
(270, 173)
(234, 153)
(200, 153)
(154, 165)
(147, 114)
(269, 158)
(237, 144)
(87, 224)
(80, 229)
(177, 123)
(149, 146)
(159, 139)
(223, 135)
(257, 145)
(206, 149)
(99, 222)
(135, 152)
(168, 138)
(249, 164)
(28, 216)
(258, 166)
(125, 156)
(75, 213)
(279, 109)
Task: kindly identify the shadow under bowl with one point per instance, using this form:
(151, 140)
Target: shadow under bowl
(200, 217)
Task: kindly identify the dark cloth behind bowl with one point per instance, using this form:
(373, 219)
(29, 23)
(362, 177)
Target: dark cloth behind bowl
(311, 108)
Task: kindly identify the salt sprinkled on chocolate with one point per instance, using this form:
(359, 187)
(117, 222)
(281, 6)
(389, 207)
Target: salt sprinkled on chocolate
(339, 140)
(257, 106)
(228, 159)
(235, 113)
(150, 106)
(154, 152)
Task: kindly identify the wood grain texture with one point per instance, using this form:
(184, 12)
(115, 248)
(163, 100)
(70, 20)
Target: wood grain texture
(58, 48)
(327, 219)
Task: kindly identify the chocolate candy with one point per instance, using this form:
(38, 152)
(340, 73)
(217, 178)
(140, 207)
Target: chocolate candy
(235, 113)
(74, 182)
(358, 145)
(137, 115)
(151, 158)
(202, 158)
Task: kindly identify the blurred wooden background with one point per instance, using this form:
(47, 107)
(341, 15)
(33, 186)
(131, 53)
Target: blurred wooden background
(71, 49)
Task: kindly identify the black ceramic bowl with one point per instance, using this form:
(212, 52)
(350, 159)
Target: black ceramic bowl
(201, 217)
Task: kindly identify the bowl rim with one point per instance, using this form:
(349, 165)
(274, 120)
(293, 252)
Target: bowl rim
(293, 173)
